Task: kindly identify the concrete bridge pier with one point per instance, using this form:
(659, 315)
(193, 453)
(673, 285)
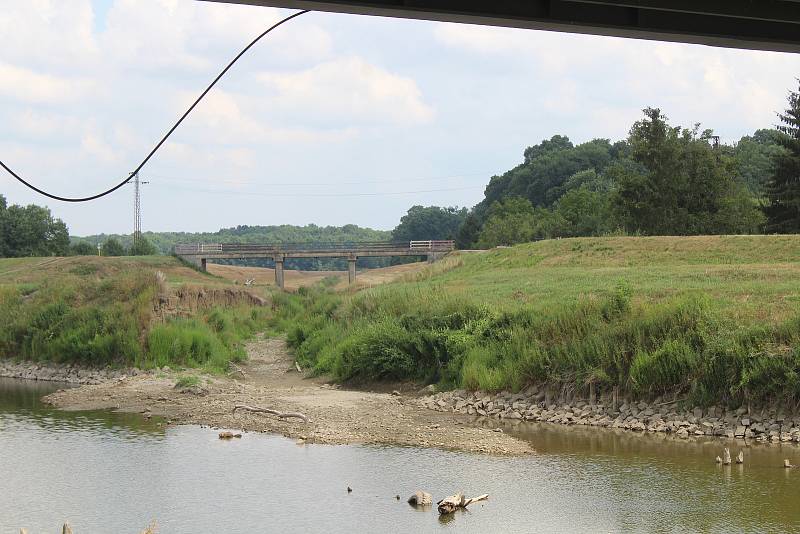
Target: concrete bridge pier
(435, 256)
(351, 269)
(203, 265)
(279, 270)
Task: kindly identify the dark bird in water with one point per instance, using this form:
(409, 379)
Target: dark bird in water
(349, 489)
(397, 497)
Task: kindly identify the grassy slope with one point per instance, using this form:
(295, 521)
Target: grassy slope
(714, 317)
(100, 311)
(753, 277)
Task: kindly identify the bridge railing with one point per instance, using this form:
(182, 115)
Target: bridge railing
(275, 248)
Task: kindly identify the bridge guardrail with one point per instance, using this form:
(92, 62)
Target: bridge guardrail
(275, 248)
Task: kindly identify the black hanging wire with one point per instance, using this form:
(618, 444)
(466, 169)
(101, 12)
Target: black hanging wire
(155, 149)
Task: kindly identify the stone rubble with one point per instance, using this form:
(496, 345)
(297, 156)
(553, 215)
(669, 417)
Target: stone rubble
(71, 374)
(536, 405)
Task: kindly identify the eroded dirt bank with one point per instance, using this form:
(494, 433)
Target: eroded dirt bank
(337, 416)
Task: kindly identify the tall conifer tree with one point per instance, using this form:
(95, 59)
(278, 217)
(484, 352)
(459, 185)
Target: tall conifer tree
(783, 189)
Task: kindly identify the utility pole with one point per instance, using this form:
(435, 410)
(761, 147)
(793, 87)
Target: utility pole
(137, 209)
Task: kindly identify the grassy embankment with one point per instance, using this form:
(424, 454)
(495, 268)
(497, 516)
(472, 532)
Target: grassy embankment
(103, 311)
(712, 317)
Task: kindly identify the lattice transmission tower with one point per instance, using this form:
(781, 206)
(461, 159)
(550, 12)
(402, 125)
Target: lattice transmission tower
(137, 209)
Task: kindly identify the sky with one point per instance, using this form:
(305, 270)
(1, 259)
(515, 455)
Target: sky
(332, 119)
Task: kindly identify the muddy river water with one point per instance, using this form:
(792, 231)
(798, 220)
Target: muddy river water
(115, 473)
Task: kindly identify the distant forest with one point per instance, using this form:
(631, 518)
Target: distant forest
(662, 180)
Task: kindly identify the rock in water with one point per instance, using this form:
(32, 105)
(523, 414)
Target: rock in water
(787, 464)
(719, 460)
(420, 498)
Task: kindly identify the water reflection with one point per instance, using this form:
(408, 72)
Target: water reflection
(21, 408)
(115, 473)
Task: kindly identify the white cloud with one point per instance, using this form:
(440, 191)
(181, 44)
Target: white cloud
(348, 89)
(197, 36)
(689, 82)
(95, 146)
(45, 123)
(29, 86)
(52, 33)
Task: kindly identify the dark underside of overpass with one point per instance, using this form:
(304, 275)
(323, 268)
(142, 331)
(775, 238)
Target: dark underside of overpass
(755, 24)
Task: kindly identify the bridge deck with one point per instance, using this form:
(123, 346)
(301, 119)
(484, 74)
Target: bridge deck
(312, 250)
(200, 253)
(756, 24)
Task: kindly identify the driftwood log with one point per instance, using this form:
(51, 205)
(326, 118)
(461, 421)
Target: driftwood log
(454, 502)
(281, 415)
(420, 498)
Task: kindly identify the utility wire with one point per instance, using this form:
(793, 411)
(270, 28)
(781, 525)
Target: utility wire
(247, 193)
(366, 182)
(163, 139)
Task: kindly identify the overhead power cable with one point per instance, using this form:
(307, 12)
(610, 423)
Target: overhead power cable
(166, 178)
(380, 194)
(163, 139)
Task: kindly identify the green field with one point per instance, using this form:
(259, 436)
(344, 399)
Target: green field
(713, 317)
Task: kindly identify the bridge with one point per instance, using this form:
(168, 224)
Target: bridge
(200, 253)
(754, 24)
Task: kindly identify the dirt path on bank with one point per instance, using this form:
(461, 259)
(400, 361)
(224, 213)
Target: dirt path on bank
(337, 416)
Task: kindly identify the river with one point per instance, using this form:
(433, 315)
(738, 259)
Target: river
(115, 473)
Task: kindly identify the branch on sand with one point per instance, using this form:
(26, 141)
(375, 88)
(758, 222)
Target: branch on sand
(281, 415)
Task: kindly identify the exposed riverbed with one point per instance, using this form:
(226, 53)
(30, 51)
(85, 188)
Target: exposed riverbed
(107, 472)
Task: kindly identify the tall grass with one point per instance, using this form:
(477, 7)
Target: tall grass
(211, 340)
(87, 321)
(681, 345)
(109, 321)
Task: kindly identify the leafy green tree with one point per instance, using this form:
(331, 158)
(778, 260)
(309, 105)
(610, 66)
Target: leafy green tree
(82, 248)
(783, 189)
(740, 213)
(112, 247)
(467, 235)
(142, 247)
(681, 185)
(31, 231)
(4, 247)
(515, 220)
(431, 222)
(584, 212)
(754, 155)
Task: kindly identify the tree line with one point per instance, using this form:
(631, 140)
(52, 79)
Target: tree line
(33, 231)
(661, 180)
